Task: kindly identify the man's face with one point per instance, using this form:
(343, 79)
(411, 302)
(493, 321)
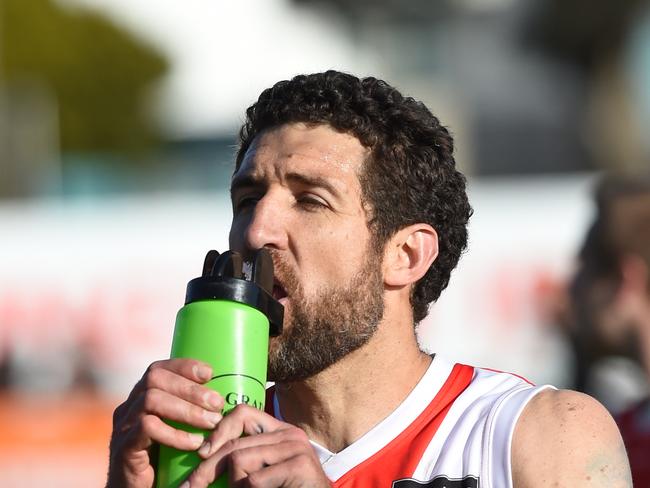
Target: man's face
(297, 193)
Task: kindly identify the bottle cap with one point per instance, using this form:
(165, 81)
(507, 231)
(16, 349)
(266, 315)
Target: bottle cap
(223, 279)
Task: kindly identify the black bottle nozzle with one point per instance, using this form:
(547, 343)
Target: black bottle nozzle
(208, 263)
(228, 265)
(223, 278)
(262, 272)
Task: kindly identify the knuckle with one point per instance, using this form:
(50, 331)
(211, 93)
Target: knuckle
(298, 435)
(220, 402)
(194, 391)
(242, 409)
(230, 445)
(156, 365)
(192, 412)
(153, 378)
(150, 400)
(148, 424)
(244, 413)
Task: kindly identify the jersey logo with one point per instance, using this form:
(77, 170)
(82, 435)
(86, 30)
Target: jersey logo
(437, 482)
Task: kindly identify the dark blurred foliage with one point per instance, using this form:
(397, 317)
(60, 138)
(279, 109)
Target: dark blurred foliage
(97, 72)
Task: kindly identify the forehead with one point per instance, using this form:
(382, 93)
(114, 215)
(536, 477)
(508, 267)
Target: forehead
(316, 150)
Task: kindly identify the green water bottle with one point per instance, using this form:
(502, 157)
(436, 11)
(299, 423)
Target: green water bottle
(226, 322)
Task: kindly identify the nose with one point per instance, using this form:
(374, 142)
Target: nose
(266, 226)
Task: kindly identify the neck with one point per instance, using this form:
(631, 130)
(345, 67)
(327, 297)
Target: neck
(340, 404)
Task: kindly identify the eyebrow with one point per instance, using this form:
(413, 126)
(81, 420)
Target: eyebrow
(243, 181)
(316, 181)
(249, 180)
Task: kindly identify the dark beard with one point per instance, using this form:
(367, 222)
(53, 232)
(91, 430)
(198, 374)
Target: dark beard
(322, 331)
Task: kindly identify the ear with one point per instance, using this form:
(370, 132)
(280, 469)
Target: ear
(408, 255)
(634, 277)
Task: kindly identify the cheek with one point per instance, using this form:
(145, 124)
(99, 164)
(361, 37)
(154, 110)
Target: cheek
(335, 258)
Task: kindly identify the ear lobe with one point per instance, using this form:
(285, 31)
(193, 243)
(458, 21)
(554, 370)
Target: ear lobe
(409, 254)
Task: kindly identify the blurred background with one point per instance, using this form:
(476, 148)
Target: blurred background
(118, 124)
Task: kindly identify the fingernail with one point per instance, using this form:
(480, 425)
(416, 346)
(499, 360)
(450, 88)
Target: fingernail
(197, 439)
(213, 417)
(204, 373)
(204, 450)
(186, 484)
(212, 399)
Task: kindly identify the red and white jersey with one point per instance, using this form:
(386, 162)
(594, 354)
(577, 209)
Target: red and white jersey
(454, 430)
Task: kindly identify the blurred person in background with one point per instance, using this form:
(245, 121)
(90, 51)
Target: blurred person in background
(611, 300)
(354, 190)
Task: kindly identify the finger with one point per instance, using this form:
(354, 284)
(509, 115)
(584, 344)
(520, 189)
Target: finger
(243, 419)
(283, 473)
(214, 466)
(207, 471)
(181, 387)
(243, 462)
(152, 429)
(191, 369)
(165, 405)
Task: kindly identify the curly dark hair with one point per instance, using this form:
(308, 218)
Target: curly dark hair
(410, 175)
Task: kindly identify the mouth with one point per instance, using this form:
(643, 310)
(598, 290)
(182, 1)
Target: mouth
(279, 293)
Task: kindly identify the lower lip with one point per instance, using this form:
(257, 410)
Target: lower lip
(283, 301)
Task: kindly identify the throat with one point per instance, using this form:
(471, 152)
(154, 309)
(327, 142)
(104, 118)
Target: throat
(336, 408)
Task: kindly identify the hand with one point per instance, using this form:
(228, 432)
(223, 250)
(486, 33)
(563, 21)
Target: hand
(170, 389)
(272, 454)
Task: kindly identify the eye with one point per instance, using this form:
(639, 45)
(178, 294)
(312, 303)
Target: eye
(311, 202)
(246, 202)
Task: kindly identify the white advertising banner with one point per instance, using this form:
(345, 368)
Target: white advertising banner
(89, 289)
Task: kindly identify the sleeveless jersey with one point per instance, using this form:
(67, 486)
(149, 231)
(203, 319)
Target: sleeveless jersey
(454, 430)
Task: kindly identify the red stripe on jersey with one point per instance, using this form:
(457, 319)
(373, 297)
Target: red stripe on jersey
(399, 458)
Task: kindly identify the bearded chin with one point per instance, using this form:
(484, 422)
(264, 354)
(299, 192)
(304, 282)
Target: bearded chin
(321, 332)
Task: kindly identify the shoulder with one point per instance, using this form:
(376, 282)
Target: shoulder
(567, 438)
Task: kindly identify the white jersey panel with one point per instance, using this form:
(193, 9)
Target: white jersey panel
(475, 437)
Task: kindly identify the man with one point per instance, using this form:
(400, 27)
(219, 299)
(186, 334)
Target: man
(353, 189)
(611, 298)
